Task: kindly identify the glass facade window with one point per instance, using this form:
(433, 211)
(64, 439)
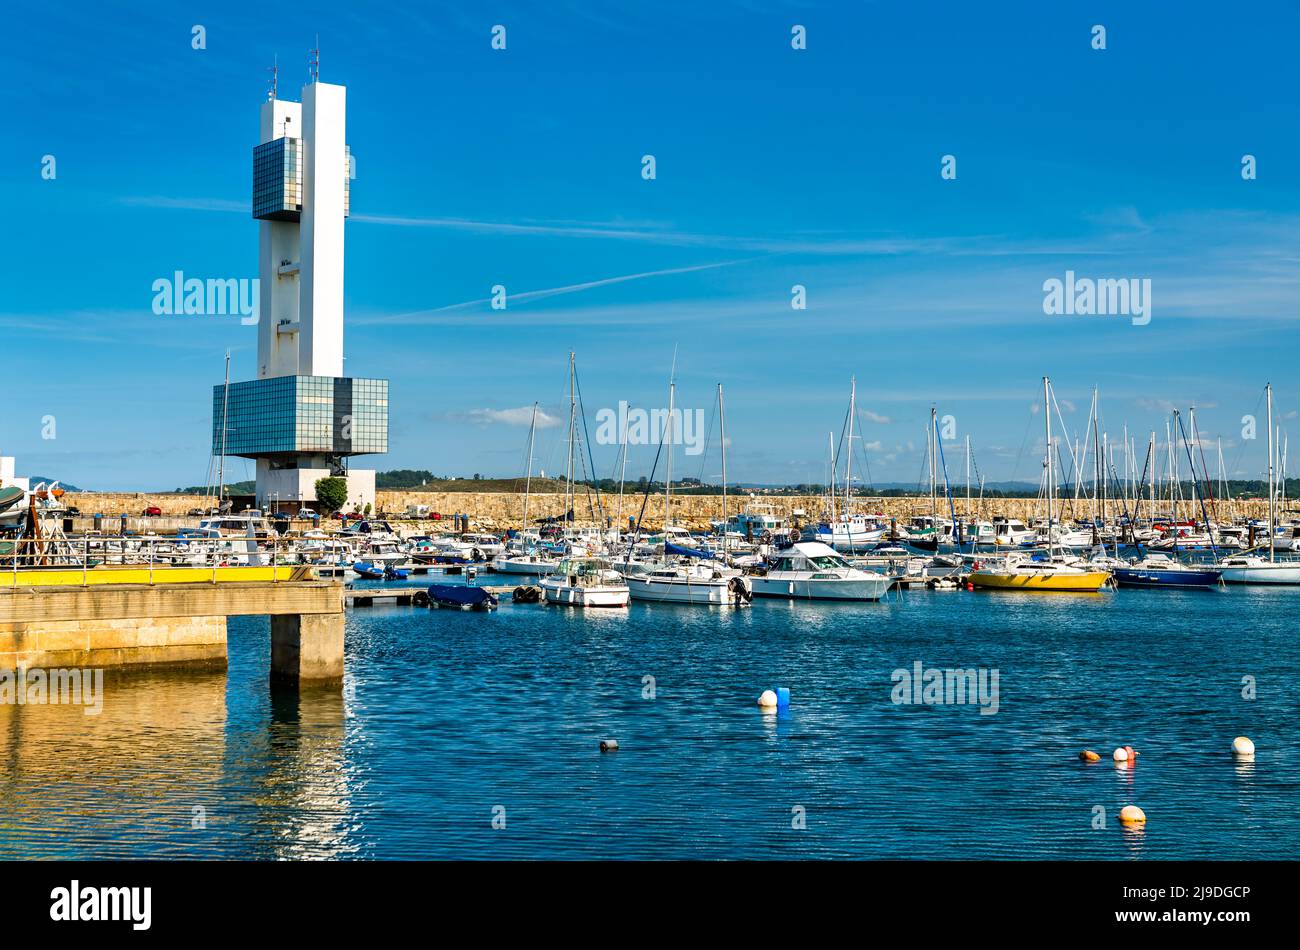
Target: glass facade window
(301, 414)
(277, 180)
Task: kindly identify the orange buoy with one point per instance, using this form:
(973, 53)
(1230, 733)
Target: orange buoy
(1089, 756)
(1132, 815)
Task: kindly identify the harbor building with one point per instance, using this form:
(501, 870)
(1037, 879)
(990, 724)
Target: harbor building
(302, 418)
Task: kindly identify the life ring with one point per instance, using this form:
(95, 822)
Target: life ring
(795, 535)
(766, 536)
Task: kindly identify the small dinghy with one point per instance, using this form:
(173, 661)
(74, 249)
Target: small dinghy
(464, 598)
(371, 572)
(396, 573)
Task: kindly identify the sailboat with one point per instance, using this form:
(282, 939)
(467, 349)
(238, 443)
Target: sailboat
(581, 581)
(1162, 571)
(525, 558)
(1250, 568)
(850, 532)
(691, 582)
(1023, 573)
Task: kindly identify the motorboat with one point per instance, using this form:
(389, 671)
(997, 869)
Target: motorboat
(815, 571)
(585, 582)
(461, 597)
(690, 584)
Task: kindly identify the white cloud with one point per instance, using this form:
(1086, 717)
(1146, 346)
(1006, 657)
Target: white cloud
(521, 416)
(875, 417)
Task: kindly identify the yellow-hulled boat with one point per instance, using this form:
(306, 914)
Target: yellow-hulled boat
(1035, 575)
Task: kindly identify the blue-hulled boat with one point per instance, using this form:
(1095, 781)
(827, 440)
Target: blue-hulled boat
(371, 572)
(1157, 570)
(464, 598)
(396, 573)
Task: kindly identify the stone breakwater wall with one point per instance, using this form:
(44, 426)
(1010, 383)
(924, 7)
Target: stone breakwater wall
(499, 510)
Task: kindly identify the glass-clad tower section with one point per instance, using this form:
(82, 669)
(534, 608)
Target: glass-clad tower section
(296, 415)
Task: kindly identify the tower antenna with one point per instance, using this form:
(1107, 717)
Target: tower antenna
(313, 67)
(274, 70)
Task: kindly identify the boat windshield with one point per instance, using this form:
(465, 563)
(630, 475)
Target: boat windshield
(828, 561)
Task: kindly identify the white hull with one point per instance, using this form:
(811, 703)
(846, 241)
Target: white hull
(1266, 573)
(523, 565)
(716, 593)
(603, 596)
(870, 588)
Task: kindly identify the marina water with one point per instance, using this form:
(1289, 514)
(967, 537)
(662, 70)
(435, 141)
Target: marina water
(452, 722)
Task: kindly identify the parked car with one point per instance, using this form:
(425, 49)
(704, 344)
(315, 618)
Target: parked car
(153, 511)
(197, 512)
(72, 511)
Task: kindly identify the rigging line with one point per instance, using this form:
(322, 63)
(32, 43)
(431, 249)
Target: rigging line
(1023, 441)
(645, 501)
(582, 410)
(866, 461)
(1196, 487)
(708, 438)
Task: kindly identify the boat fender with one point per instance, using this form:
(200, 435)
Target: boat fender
(1243, 746)
(1089, 756)
(1132, 815)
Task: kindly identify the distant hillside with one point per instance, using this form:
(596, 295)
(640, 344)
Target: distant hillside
(37, 479)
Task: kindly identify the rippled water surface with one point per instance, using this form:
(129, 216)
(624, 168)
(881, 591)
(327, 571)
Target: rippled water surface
(449, 719)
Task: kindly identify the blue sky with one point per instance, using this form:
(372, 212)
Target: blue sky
(775, 167)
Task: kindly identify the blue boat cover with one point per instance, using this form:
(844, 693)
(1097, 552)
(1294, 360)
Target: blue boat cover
(460, 596)
(670, 548)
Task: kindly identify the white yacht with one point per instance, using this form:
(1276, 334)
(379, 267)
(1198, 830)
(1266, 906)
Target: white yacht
(689, 584)
(585, 582)
(815, 571)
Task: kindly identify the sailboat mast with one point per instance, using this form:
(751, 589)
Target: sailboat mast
(722, 418)
(1272, 541)
(221, 463)
(934, 473)
(528, 477)
(1051, 481)
(668, 480)
(968, 508)
(568, 478)
(848, 465)
(622, 477)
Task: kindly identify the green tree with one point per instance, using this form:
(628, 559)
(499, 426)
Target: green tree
(331, 493)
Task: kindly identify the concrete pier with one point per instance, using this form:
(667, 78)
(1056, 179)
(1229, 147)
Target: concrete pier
(113, 625)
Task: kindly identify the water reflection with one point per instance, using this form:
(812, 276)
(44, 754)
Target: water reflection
(124, 782)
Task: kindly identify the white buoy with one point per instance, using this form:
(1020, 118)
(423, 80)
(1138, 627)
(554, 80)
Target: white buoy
(1243, 746)
(1120, 754)
(768, 699)
(608, 745)
(1132, 815)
